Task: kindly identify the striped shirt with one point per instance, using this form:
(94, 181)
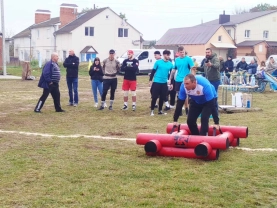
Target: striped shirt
(56, 73)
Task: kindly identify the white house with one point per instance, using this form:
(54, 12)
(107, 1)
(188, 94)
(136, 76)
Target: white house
(89, 34)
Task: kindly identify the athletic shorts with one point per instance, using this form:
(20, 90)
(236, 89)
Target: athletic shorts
(129, 85)
(177, 86)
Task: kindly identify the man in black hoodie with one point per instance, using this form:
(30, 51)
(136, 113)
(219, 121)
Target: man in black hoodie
(71, 64)
(242, 65)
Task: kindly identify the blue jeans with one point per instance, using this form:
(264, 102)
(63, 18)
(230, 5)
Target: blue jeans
(72, 83)
(96, 84)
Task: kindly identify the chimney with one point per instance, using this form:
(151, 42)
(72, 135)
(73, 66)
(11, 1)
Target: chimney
(223, 18)
(42, 16)
(68, 13)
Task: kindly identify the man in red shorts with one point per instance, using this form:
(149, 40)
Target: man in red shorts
(130, 67)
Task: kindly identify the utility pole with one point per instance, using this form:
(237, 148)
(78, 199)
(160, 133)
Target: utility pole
(3, 39)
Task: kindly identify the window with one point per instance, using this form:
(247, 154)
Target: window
(247, 33)
(219, 38)
(143, 55)
(89, 31)
(229, 32)
(265, 35)
(122, 32)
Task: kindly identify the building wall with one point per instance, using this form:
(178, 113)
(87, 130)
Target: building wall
(195, 50)
(22, 48)
(257, 27)
(105, 36)
(259, 49)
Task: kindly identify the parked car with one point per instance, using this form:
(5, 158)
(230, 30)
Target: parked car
(274, 56)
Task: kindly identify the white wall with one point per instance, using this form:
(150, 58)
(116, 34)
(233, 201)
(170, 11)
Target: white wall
(257, 27)
(105, 36)
(22, 48)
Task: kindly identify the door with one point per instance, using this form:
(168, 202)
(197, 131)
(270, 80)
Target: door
(144, 61)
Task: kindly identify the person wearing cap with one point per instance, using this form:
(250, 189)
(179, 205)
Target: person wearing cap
(159, 75)
(111, 67)
(130, 67)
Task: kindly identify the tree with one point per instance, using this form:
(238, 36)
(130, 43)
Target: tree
(123, 16)
(9, 33)
(240, 11)
(263, 7)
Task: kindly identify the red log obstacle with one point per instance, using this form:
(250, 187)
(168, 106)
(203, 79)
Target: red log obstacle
(185, 141)
(237, 131)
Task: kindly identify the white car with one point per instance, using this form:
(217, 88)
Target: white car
(274, 56)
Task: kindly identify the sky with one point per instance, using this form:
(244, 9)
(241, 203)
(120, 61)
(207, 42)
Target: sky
(152, 18)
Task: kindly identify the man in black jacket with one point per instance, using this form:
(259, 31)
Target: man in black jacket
(242, 65)
(71, 64)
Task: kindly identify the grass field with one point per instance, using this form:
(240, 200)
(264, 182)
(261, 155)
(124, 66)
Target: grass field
(83, 171)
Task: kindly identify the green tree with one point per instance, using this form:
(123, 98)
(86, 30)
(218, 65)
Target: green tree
(263, 7)
(123, 16)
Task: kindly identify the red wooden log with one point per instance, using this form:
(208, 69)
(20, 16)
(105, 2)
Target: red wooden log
(203, 149)
(235, 142)
(186, 153)
(184, 141)
(237, 131)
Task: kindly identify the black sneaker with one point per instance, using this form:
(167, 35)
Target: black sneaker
(133, 107)
(125, 107)
(161, 113)
(37, 111)
(110, 107)
(101, 108)
(166, 108)
(60, 111)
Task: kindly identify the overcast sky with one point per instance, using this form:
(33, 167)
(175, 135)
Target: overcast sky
(152, 18)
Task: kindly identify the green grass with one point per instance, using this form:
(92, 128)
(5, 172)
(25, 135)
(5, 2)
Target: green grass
(40, 171)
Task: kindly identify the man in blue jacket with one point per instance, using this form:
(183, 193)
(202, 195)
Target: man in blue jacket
(202, 94)
(71, 64)
(49, 81)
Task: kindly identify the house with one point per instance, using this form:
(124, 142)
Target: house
(89, 34)
(196, 39)
(7, 50)
(250, 28)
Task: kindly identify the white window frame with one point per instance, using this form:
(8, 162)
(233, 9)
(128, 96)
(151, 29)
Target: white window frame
(247, 33)
(124, 35)
(265, 34)
(89, 35)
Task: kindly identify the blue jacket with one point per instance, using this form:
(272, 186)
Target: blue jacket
(46, 75)
(252, 68)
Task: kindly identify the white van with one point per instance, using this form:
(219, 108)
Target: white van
(146, 58)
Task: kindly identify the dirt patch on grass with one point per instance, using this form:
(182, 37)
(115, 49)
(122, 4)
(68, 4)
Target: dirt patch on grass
(115, 133)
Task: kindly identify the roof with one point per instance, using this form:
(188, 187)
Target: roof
(240, 18)
(89, 49)
(196, 35)
(223, 45)
(249, 43)
(69, 5)
(272, 43)
(23, 34)
(42, 10)
(79, 21)
(48, 23)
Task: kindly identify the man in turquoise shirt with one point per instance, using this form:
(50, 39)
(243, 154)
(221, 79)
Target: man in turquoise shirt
(182, 67)
(159, 75)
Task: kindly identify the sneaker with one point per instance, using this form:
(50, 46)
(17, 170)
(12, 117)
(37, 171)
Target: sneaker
(75, 105)
(166, 108)
(37, 111)
(172, 107)
(70, 104)
(96, 105)
(152, 113)
(133, 107)
(125, 107)
(110, 107)
(101, 108)
(105, 105)
(60, 111)
(161, 113)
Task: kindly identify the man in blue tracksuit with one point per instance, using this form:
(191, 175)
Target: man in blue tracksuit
(202, 95)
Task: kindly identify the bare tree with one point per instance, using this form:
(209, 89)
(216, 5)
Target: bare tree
(9, 33)
(240, 11)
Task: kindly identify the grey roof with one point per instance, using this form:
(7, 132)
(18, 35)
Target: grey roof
(85, 50)
(272, 43)
(69, 5)
(240, 18)
(79, 21)
(249, 43)
(196, 35)
(26, 32)
(42, 10)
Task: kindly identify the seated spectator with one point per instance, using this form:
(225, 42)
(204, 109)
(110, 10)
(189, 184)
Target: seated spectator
(261, 69)
(252, 67)
(271, 66)
(242, 65)
(228, 66)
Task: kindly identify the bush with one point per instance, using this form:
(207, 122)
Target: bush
(34, 63)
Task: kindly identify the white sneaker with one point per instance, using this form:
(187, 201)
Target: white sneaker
(105, 105)
(75, 105)
(96, 105)
(152, 113)
(172, 106)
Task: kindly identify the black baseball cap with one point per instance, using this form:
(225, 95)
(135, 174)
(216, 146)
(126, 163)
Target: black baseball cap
(157, 52)
(112, 51)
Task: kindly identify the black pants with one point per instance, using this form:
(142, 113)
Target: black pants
(158, 90)
(195, 110)
(55, 92)
(107, 84)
